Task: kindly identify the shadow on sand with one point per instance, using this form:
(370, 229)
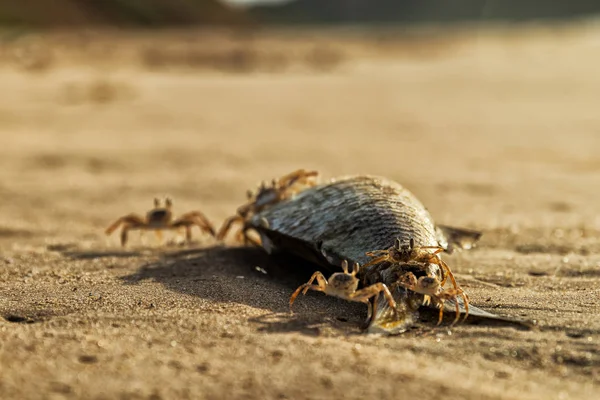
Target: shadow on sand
(249, 276)
(92, 255)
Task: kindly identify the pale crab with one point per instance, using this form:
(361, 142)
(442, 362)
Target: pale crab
(159, 219)
(434, 293)
(344, 285)
(267, 195)
(405, 253)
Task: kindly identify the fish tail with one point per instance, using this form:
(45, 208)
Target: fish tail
(457, 238)
(385, 321)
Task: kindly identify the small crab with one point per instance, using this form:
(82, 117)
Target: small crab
(279, 190)
(344, 285)
(161, 218)
(432, 288)
(404, 253)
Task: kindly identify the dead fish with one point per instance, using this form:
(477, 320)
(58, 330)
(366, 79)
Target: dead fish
(341, 221)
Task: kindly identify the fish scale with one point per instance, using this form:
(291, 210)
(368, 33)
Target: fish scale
(353, 215)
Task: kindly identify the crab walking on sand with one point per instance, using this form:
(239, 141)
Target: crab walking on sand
(345, 219)
(159, 219)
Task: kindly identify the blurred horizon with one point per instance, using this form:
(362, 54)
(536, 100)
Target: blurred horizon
(255, 2)
(162, 13)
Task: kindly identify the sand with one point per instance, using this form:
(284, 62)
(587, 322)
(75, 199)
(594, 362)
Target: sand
(492, 130)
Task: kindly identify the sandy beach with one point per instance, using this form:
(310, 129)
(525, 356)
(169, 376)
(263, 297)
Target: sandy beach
(493, 130)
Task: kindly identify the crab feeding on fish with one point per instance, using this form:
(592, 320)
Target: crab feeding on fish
(367, 220)
(279, 190)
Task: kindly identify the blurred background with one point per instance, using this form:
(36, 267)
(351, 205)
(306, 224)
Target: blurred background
(156, 13)
(486, 109)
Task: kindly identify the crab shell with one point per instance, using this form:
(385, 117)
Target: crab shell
(349, 216)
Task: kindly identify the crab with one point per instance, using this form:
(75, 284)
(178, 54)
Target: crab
(279, 189)
(433, 290)
(344, 285)
(159, 219)
(404, 253)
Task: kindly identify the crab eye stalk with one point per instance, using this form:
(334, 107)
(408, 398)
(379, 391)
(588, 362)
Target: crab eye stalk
(168, 202)
(345, 266)
(156, 202)
(398, 244)
(355, 268)
(249, 194)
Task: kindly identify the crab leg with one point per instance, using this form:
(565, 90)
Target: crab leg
(133, 219)
(374, 253)
(448, 274)
(227, 226)
(441, 315)
(191, 219)
(373, 290)
(299, 175)
(321, 280)
(442, 312)
(200, 220)
(126, 228)
(322, 284)
(129, 222)
(250, 240)
(242, 236)
(377, 260)
(457, 312)
(159, 235)
(188, 233)
(365, 294)
(437, 248)
(466, 301)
